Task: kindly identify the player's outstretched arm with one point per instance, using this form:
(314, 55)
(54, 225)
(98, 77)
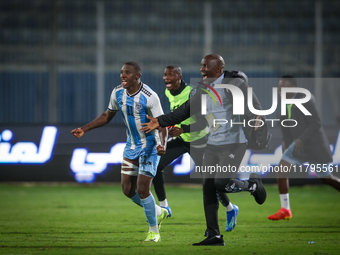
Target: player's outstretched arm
(100, 121)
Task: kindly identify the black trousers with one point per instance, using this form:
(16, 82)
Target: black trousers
(176, 148)
(229, 155)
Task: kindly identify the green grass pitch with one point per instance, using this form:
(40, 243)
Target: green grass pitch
(98, 219)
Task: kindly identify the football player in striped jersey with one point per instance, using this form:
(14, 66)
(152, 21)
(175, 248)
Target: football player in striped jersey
(135, 100)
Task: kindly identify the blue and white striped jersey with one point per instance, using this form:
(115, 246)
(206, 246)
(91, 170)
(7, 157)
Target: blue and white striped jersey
(134, 109)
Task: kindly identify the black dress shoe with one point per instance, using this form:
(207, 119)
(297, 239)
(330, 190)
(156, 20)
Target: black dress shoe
(214, 241)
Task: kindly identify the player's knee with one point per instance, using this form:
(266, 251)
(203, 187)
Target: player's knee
(143, 194)
(143, 191)
(126, 188)
(126, 192)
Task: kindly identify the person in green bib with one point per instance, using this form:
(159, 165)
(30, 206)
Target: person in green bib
(188, 136)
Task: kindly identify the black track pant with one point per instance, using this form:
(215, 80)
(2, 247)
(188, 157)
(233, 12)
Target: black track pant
(213, 184)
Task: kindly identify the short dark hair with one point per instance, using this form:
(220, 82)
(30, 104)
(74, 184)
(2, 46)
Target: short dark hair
(135, 66)
(291, 79)
(177, 68)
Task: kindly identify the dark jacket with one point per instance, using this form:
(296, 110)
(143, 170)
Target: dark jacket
(256, 140)
(309, 131)
(200, 120)
(193, 105)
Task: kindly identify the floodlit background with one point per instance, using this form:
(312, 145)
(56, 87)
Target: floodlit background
(60, 59)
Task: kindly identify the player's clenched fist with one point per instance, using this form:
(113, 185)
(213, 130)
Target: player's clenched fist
(78, 132)
(160, 150)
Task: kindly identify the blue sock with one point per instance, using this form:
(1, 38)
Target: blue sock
(150, 210)
(136, 200)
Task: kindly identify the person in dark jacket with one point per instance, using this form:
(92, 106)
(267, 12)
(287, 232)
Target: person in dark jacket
(226, 144)
(306, 142)
(190, 136)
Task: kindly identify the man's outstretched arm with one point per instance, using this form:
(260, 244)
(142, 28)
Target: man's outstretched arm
(150, 126)
(190, 107)
(169, 119)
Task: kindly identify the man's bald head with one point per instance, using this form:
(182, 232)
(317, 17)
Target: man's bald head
(215, 57)
(212, 66)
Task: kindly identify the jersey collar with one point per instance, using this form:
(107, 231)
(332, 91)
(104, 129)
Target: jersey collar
(140, 88)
